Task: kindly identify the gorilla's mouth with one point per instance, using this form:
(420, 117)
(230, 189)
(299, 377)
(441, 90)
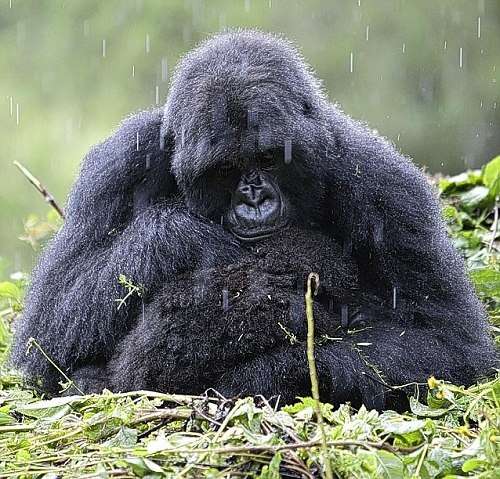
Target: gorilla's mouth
(261, 227)
(256, 234)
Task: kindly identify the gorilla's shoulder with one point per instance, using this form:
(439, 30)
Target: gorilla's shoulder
(136, 131)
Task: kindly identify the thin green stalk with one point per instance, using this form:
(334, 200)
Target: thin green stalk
(312, 368)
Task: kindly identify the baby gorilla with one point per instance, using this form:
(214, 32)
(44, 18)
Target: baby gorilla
(179, 346)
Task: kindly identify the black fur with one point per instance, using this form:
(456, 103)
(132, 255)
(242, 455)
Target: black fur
(147, 205)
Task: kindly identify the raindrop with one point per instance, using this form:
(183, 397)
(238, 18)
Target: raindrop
(445, 45)
(17, 113)
(347, 246)
(270, 4)
(344, 315)
(133, 71)
(148, 161)
(288, 151)
(367, 33)
(147, 43)
(403, 47)
(137, 141)
(164, 69)
(104, 48)
(252, 119)
(378, 233)
(461, 57)
(157, 95)
(11, 105)
(478, 27)
(351, 65)
(68, 129)
(10, 3)
(394, 297)
(222, 220)
(225, 299)
(222, 21)
(21, 33)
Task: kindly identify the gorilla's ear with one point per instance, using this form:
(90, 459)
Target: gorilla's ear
(121, 176)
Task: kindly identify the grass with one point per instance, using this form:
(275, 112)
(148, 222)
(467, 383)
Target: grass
(453, 432)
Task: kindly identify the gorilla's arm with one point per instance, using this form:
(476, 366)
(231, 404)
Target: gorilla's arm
(364, 367)
(385, 211)
(75, 286)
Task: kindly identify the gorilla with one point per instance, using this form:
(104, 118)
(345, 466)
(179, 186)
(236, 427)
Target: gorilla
(216, 207)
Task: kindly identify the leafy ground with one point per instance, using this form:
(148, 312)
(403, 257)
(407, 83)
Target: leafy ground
(454, 432)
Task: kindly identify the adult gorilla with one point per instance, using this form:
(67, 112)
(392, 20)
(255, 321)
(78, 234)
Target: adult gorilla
(249, 147)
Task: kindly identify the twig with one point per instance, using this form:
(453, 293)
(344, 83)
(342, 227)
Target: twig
(494, 227)
(161, 415)
(369, 445)
(38, 185)
(17, 428)
(70, 382)
(312, 367)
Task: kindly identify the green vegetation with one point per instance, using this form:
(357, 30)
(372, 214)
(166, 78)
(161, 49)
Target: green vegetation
(454, 432)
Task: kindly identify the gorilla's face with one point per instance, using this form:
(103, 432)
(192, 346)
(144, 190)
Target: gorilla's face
(253, 198)
(257, 206)
(245, 124)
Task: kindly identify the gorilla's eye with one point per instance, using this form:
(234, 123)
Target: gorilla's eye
(266, 160)
(228, 170)
(307, 108)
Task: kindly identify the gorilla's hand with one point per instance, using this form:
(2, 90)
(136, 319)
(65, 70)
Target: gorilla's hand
(343, 376)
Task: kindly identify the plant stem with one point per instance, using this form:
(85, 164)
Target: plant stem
(39, 186)
(312, 368)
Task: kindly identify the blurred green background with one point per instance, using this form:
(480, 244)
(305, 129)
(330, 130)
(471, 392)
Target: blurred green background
(423, 73)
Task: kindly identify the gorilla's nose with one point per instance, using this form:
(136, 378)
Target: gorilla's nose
(253, 191)
(255, 199)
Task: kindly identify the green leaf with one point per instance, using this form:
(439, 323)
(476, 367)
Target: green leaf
(422, 410)
(101, 425)
(486, 281)
(491, 176)
(125, 437)
(272, 470)
(392, 422)
(52, 409)
(5, 417)
(9, 290)
(142, 466)
(474, 197)
(308, 403)
(456, 183)
(389, 465)
(473, 464)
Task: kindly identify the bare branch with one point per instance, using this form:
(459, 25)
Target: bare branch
(38, 185)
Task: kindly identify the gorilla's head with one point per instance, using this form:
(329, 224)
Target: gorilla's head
(244, 119)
